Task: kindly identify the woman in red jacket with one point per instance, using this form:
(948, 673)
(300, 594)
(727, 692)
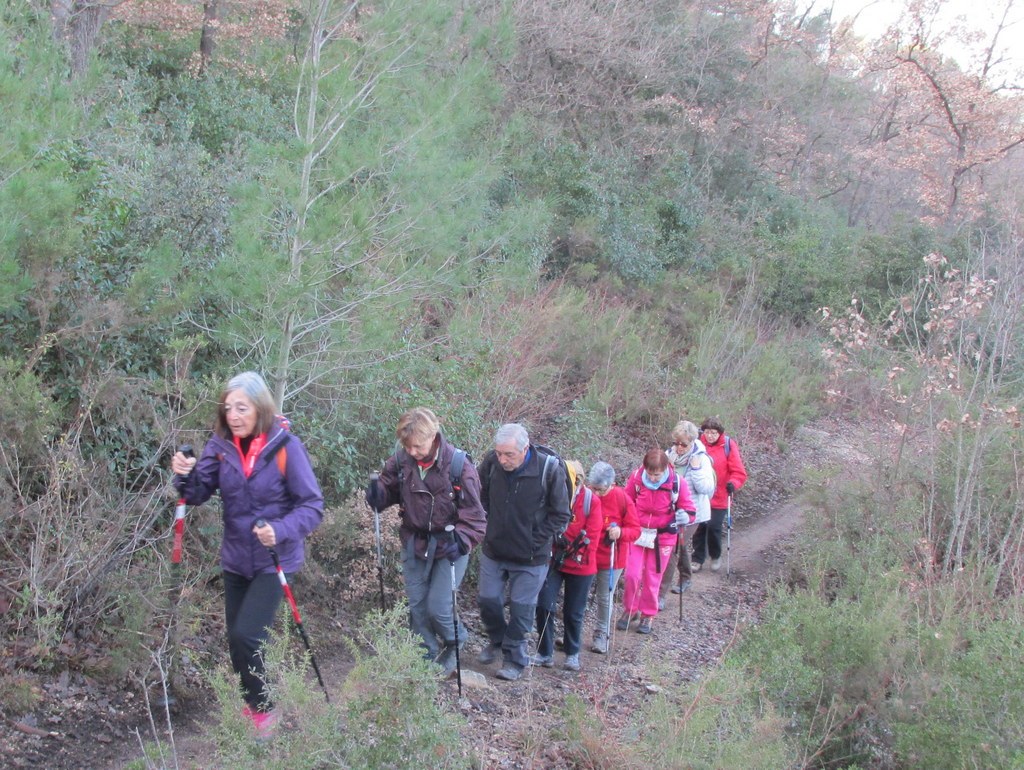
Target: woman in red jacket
(731, 474)
(574, 565)
(621, 527)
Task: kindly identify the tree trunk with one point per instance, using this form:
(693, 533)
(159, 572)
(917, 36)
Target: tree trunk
(76, 23)
(208, 38)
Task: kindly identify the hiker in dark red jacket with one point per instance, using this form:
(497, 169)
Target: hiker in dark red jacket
(731, 475)
(262, 472)
(574, 566)
(418, 478)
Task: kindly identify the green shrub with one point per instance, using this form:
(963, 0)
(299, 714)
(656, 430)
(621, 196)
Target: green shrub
(382, 716)
(19, 694)
(966, 709)
(725, 721)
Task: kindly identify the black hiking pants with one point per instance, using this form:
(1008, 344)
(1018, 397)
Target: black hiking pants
(249, 610)
(707, 540)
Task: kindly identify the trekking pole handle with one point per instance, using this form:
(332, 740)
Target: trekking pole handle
(260, 524)
(179, 513)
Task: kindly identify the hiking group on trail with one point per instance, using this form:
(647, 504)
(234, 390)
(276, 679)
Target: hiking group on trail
(545, 530)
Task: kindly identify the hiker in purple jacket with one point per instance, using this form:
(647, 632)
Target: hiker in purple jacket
(262, 472)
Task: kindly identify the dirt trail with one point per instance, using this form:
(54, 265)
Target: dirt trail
(517, 725)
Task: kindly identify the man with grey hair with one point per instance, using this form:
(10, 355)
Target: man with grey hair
(524, 490)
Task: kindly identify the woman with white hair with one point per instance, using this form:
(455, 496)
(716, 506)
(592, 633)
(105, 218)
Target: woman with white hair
(620, 528)
(693, 464)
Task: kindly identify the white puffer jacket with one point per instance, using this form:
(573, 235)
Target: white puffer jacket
(698, 469)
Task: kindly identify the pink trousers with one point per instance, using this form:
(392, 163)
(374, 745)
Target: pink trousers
(643, 580)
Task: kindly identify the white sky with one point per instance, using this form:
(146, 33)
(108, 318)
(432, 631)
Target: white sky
(981, 15)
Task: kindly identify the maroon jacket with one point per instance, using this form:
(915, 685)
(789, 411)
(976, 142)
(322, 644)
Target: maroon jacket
(427, 503)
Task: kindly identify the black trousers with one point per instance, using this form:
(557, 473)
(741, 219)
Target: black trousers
(249, 609)
(708, 537)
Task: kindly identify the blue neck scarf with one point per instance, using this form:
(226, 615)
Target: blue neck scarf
(652, 484)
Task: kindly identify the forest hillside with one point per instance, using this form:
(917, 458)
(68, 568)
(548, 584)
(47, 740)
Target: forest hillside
(593, 219)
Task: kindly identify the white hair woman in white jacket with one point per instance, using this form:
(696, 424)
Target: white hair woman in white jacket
(693, 464)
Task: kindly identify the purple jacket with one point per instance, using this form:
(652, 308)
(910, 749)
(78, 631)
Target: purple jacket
(292, 504)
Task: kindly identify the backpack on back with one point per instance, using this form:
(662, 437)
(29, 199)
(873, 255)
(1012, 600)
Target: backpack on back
(281, 455)
(551, 460)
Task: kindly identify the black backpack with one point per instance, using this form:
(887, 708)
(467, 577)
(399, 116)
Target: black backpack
(551, 460)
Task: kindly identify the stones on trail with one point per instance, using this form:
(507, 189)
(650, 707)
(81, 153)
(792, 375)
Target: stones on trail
(474, 680)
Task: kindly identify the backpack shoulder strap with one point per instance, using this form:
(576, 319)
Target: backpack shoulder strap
(455, 474)
(728, 446)
(675, 490)
(280, 453)
(588, 497)
(549, 463)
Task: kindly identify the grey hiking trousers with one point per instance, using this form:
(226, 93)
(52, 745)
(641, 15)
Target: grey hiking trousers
(428, 584)
(524, 583)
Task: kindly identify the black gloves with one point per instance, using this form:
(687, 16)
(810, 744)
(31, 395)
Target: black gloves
(672, 528)
(375, 497)
(730, 488)
(452, 549)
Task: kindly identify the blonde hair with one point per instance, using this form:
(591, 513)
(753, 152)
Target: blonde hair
(577, 468)
(417, 424)
(685, 430)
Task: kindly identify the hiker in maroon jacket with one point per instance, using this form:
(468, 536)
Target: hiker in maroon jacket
(418, 478)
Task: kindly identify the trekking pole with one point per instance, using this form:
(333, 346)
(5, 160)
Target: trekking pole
(728, 538)
(178, 528)
(260, 523)
(610, 628)
(450, 529)
(380, 556)
(681, 545)
(179, 514)
(611, 568)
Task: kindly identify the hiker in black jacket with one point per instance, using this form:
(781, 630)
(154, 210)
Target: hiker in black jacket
(525, 493)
